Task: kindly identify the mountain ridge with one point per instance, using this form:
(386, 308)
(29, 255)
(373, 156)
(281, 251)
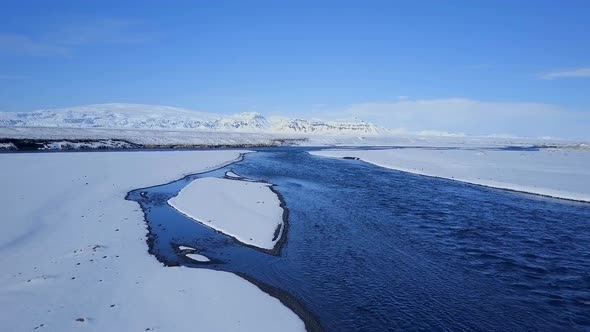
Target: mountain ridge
(156, 117)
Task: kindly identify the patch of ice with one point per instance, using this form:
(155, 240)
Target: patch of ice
(233, 175)
(198, 258)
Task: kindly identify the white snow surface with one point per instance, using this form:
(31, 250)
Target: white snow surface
(247, 211)
(561, 173)
(71, 247)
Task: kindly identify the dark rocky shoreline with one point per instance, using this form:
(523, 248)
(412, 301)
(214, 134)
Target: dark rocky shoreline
(29, 145)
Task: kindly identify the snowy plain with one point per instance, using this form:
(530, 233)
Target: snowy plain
(561, 173)
(247, 211)
(74, 255)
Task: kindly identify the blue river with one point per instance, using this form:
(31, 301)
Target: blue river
(372, 249)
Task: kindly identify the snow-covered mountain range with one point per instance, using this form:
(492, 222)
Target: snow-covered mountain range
(137, 116)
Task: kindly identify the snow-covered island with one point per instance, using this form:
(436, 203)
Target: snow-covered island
(248, 211)
(561, 173)
(74, 256)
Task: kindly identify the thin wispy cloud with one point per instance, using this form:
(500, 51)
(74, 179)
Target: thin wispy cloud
(64, 39)
(571, 73)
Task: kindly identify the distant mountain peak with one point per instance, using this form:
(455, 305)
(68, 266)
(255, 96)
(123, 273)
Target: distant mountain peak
(155, 117)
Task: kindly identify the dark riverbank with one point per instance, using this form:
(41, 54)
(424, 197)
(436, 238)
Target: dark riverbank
(30, 145)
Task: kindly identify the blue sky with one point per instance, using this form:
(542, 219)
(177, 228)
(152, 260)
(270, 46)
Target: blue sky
(480, 67)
